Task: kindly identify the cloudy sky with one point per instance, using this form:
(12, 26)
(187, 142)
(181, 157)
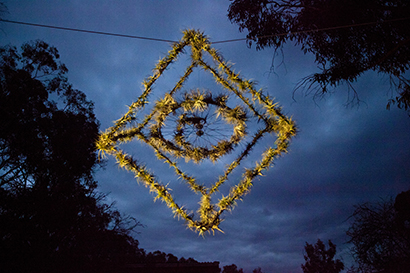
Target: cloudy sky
(341, 156)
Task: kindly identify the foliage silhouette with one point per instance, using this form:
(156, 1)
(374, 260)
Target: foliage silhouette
(347, 38)
(260, 108)
(231, 269)
(380, 234)
(257, 270)
(162, 257)
(402, 208)
(319, 260)
(51, 218)
(3, 9)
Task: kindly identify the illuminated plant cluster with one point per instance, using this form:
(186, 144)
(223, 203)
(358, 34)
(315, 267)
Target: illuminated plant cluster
(188, 114)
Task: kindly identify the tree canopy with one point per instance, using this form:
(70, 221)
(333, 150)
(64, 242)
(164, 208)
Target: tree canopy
(319, 260)
(347, 38)
(51, 217)
(380, 234)
(232, 269)
(43, 140)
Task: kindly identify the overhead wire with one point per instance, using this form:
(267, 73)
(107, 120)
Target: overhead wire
(89, 31)
(217, 42)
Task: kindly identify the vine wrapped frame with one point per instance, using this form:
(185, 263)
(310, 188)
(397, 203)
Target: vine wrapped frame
(258, 106)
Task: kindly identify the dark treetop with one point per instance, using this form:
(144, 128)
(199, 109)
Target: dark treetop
(51, 218)
(347, 38)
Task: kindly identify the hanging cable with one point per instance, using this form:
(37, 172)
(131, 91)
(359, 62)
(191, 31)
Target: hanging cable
(89, 31)
(217, 42)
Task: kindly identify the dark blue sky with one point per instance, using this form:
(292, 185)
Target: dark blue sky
(341, 156)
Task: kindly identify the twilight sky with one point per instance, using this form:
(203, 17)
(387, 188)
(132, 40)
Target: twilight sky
(341, 156)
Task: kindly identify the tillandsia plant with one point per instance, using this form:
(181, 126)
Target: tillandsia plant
(188, 111)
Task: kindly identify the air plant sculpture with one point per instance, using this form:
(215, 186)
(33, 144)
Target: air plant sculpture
(188, 111)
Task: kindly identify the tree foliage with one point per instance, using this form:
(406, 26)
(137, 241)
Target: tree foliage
(3, 9)
(257, 270)
(41, 141)
(51, 218)
(347, 38)
(380, 234)
(319, 260)
(232, 269)
(260, 107)
(162, 257)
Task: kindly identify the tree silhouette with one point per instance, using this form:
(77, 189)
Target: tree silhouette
(380, 234)
(231, 269)
(347, 38)
(3, 9)
(257, 270)
(319, 260)
(171, 258)
(402, 208)
(51, 218)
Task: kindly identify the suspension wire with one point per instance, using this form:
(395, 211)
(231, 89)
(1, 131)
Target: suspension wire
(89, 31)
(217, 42)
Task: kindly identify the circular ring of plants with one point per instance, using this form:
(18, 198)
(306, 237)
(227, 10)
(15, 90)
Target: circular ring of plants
(194, 103)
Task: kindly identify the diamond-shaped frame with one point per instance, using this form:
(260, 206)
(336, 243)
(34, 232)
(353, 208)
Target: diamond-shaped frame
(259, 106)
